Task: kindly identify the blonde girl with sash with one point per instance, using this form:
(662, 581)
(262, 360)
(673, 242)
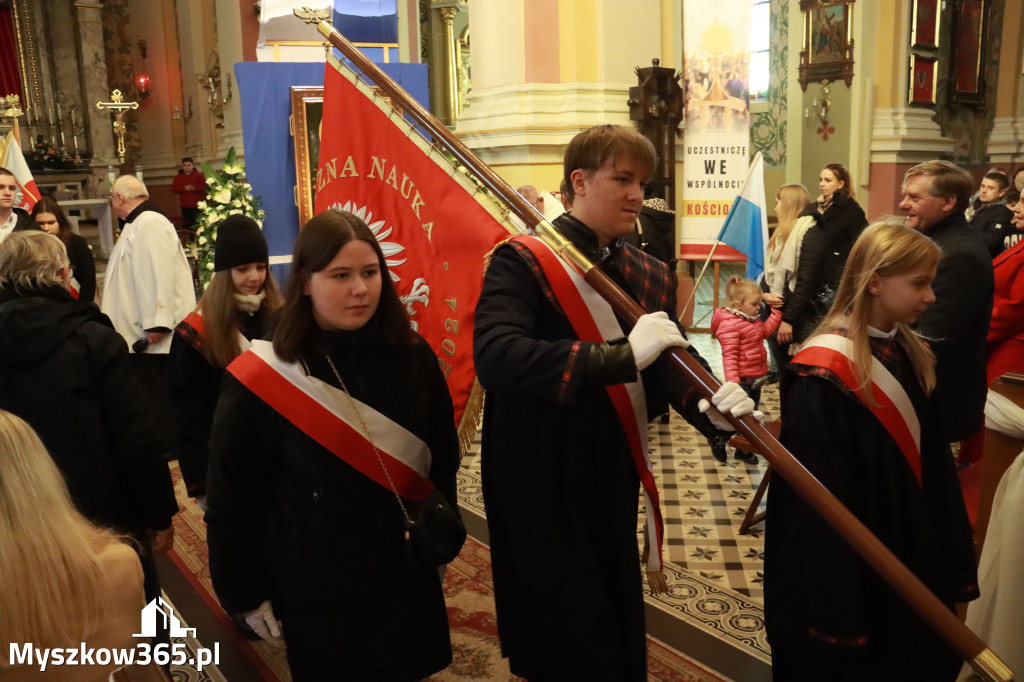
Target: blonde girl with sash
(66, 582)
(233, 311)
(858, 412)
(307, 539)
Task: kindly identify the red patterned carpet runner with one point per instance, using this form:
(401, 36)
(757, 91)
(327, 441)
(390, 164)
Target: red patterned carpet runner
(469, 593)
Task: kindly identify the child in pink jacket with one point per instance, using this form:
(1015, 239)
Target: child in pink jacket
(741, 333)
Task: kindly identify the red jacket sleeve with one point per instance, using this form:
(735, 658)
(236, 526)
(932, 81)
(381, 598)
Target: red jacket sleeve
(729, 338)
(769, 326)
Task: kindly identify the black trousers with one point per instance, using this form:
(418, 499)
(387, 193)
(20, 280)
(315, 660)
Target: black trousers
(747, 384)
(189, 217)
(151, 372)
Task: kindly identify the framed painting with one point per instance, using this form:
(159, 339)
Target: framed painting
(307, 112)
(922, 80)
(925, 24)
(968, 65)
(827, 41)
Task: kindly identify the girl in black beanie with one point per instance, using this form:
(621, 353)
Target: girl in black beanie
(232, 312)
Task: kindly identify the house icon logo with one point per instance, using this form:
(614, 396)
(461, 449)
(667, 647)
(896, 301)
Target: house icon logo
(159, 613)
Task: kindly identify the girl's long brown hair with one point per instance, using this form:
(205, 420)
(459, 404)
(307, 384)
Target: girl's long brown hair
(221, 320)
(843, 175)
(47, 204)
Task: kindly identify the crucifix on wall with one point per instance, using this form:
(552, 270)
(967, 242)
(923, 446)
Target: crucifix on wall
(118, 107)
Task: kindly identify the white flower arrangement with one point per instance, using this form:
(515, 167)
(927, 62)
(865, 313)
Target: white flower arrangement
(228, 194)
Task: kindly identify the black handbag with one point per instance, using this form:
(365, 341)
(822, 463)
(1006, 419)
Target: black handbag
(435, 530)
(822, 301)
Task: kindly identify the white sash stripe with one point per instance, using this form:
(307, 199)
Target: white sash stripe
(390, 438)
(880, 376)
(609, 327)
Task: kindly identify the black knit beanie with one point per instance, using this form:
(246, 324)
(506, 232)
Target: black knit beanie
(239, 241)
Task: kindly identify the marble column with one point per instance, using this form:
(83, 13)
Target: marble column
(98, 124)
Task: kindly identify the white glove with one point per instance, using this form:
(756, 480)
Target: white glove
(731, 399)
(263, 623)
(653, 333)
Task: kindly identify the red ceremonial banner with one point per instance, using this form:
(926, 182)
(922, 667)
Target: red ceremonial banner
(433, 224)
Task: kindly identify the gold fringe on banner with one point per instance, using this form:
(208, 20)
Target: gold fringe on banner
(656, 580)
(471, 418)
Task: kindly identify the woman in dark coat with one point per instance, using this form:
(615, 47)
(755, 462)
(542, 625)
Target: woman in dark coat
(50, 218)
(313, 533)
(841, 217)
(232, 312)
(65, 371)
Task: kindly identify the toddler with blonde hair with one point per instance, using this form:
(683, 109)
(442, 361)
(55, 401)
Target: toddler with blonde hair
(741, 334)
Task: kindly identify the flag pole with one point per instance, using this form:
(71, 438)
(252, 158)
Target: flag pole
(960, 638)
(699, 278)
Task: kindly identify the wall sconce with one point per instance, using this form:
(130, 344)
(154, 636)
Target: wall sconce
(227, 99)
(183, 115)
(213, 84)
(821, 104)
(143, 83)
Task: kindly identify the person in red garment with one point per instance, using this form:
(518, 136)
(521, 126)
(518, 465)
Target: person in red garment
(1005, 332)
(190, 186)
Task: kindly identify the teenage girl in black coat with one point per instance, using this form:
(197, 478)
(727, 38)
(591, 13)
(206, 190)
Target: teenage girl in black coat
(841, 218)
(50, 218)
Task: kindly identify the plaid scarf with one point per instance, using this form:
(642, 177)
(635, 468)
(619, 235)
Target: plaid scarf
(647, 279)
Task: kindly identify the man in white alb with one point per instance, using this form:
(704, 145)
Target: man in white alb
(148, 288)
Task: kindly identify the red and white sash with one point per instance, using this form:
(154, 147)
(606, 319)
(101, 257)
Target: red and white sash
(195, 320)
(328, 416)
(893, 407)
(593, 319)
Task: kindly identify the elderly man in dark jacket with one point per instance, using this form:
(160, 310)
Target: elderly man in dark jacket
(64, 370)
(935, 195)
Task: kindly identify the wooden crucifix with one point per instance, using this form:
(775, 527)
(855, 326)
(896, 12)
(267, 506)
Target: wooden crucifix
(118, 107)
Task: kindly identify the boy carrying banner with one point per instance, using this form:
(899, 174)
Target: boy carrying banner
(564, 454)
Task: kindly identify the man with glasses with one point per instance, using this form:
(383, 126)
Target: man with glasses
(935, 195)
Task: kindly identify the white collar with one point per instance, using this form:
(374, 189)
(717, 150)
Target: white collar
(879, 334)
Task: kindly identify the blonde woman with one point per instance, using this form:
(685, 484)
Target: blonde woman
(794, 269)
(861, 416)
(65, 581)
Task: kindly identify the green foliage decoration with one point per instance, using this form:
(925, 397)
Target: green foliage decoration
(227, 194)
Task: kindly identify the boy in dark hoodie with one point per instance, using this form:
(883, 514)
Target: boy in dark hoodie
(991, 216)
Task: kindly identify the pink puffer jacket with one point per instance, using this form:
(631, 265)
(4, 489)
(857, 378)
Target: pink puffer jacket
(742, 341)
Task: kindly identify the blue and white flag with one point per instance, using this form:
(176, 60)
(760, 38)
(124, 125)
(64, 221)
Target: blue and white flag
(746, 227)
